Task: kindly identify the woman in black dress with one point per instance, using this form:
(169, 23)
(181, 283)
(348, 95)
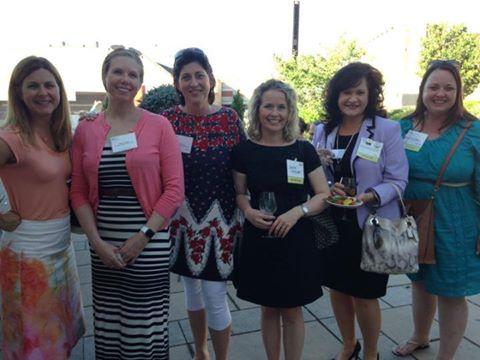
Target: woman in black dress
(368, 150)
(279, 267)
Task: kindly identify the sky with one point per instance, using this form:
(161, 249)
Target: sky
(240, 37)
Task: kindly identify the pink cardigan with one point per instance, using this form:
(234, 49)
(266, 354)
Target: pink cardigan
(155, 166)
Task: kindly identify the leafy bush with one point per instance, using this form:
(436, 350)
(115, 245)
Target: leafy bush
(453, 42)
(238, 104)
(473, 106)
(160, 98)
(309, 74)
(401, 113)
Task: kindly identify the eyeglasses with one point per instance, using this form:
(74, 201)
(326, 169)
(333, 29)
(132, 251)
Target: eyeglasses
(192, 50)
(130, 49)
(441, 62)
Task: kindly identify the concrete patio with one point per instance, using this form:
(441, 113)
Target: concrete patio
(322, 335)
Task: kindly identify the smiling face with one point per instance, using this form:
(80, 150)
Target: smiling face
(41, 94)
(273, 111)
(440, 92)
(122, 80)
(194, 84)
(353, 101)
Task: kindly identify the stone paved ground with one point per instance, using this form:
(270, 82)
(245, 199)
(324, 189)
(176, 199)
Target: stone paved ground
(322, 335)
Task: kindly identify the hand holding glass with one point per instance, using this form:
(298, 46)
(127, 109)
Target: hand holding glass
(350, 185)
(350, 188)
(268, 205)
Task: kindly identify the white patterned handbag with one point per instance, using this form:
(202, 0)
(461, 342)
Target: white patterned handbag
(390, 246)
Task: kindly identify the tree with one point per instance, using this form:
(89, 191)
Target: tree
(238, 104)
(160, 98)
(442, 41)
(309, 75)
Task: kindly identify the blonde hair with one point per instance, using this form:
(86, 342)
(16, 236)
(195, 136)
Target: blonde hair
(291, 131)
(18, 115)
(121, 51)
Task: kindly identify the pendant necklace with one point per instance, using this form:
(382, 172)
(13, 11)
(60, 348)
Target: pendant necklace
(336, 166)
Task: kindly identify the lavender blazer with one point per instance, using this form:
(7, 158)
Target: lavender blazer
(392, 166)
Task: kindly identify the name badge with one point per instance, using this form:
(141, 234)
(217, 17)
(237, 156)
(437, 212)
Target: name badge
(295, 172)
(369, 149)
(124, 142)
(414, 140)
(185, 143)
(337, 153)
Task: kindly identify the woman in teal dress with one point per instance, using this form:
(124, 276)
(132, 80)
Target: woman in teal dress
(441, 116)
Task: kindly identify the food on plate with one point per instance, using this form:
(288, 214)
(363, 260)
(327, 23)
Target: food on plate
(343, 200)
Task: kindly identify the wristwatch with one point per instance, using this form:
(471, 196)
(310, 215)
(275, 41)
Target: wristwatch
(149, 233)
(305, 209)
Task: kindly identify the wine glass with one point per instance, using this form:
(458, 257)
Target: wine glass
(350, 185)
(268, 205)
(350, 189)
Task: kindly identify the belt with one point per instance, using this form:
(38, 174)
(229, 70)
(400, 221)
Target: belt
(444, 183)
(460, 184)
(116, 192)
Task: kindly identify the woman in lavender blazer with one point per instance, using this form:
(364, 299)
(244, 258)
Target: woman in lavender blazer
(354, 107)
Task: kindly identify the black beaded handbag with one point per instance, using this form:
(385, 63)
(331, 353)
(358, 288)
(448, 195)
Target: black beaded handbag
(325, 232)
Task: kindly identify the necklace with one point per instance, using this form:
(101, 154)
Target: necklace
(348, 145)
(349, 142)
(337, 164)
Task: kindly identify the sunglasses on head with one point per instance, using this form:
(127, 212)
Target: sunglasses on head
(440, 62)
(193, 50)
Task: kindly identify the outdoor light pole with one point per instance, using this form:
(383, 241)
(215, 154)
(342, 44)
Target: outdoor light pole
(296, 18)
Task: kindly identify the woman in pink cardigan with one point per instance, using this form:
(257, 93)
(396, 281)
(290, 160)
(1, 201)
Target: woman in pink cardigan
(127, 182)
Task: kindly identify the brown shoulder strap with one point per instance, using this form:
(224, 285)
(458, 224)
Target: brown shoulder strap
(450, 154)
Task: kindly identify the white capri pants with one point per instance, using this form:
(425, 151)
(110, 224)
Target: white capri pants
(211, 296)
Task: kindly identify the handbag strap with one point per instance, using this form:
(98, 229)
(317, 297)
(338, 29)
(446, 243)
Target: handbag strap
(400, 198)
(449, 157)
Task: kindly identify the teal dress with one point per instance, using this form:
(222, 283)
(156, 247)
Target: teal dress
(457, 211)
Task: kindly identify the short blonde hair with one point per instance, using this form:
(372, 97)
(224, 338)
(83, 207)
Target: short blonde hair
(291, 130)
(18, 114)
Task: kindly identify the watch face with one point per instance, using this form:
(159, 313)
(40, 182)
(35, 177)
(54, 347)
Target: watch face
(147, 231)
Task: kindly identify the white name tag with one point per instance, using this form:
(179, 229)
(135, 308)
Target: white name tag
(337, 153)
(369, 149)
(185, 143)
(124, 142)
(414, 140)
(295, 172)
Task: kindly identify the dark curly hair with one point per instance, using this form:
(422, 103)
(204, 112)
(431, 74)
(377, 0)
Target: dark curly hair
(350, 76)
(187, 56)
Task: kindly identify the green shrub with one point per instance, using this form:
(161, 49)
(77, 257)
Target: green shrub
(160, 98)
(473, 106)
(238, 104)
(401, 113)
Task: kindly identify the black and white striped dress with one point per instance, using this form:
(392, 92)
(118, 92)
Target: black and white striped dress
(130, 305)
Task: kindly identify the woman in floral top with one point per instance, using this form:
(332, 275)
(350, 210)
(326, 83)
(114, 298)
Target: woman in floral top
(206, 226)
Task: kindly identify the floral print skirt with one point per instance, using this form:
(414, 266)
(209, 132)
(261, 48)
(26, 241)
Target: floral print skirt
(42, 313)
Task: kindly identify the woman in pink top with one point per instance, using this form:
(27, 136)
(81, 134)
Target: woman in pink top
(42, 312)
(127, 181)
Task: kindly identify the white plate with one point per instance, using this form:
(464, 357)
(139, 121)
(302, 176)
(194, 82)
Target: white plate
(357, 204)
